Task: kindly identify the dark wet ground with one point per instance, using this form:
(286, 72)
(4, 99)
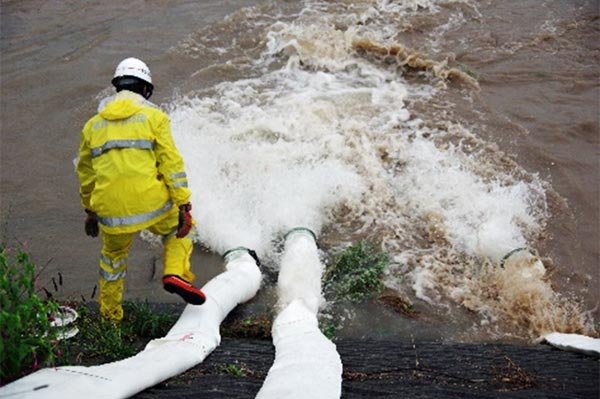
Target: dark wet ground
(392, 369)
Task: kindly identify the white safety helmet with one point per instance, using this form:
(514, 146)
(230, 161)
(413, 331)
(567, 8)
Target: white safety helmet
(133, 67)
(134, 75)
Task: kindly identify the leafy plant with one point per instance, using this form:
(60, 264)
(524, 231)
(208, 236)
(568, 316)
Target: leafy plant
(355, 274)
(234, 370)
(28, 340)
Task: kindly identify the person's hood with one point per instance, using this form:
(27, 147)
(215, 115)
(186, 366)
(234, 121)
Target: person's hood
(122, 105)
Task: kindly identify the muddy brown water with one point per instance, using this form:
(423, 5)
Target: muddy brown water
(537, 63)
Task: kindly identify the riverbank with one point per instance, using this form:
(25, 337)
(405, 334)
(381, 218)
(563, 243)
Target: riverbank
(372, 367)
(389, 367)
(392, 369)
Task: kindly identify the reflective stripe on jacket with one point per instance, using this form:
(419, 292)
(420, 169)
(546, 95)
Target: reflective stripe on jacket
(130, 171)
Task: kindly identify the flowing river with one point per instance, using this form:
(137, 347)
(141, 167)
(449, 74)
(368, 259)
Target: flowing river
(451, 132)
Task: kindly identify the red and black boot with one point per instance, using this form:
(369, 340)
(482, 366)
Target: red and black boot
(189, 293)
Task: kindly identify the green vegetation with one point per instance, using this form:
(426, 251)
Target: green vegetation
(28, 341)
(99, 338)
(234, 370)
(355, 274)
(102, 340)
(328, 328)
(144, 322)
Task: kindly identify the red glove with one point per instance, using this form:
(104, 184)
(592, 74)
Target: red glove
(185, 221)
(91, 224)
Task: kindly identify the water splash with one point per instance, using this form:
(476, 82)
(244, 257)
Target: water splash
(262, 160)
(326, 137)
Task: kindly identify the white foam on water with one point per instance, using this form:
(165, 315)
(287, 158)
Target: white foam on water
(323, 137)
(261, 160)
(481, 218)
(424, 285)
(279, 151)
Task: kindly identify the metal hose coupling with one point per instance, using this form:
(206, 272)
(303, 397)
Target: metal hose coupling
(232, 253)
(301, 230)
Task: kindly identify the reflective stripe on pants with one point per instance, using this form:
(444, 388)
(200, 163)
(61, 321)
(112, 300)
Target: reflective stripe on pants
(113, 268)
(113, 262)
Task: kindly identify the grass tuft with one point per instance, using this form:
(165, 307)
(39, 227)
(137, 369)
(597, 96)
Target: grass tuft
(235, 370)
(356, 273)
(144, 322)
(101, 340)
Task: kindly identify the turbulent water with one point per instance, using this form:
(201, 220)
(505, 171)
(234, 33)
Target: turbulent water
(450, 132)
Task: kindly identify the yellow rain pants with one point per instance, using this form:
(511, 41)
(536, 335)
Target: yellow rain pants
(113, 262)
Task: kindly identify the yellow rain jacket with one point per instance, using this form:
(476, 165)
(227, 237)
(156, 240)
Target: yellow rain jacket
(129, 169)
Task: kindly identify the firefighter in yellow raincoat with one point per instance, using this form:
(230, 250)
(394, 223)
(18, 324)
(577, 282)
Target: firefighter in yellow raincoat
(132, 178)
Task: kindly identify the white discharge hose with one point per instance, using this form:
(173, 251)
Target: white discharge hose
(192, 338)
(307, 364)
